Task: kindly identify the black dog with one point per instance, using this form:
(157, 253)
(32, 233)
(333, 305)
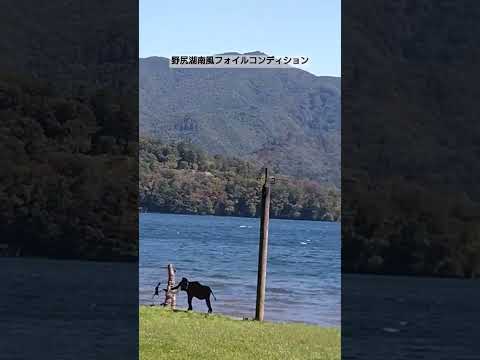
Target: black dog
(195, 289)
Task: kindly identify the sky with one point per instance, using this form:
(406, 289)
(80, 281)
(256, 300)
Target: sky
(279, 28)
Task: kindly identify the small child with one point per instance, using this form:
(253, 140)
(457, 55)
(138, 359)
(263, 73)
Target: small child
(156, 291)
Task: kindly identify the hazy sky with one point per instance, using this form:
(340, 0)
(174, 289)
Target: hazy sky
(277, 27)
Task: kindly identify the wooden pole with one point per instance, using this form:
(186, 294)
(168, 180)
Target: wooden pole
(170, 297)
(263, 247)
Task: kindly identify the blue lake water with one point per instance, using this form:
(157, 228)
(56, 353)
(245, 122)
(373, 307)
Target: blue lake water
(303, 277)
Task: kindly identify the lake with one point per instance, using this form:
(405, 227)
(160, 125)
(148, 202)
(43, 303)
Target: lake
(408, 318)
(68, 309)
(303, 277)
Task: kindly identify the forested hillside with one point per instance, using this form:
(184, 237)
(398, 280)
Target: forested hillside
(68, 172)
(181, 178)
(287, 118)
(69, 129)
(410, 147)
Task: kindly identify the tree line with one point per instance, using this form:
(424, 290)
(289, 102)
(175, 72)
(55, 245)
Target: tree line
(67, 187)
(404, 228)
(181, 178)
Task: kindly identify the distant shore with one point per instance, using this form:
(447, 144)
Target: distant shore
(233, 216)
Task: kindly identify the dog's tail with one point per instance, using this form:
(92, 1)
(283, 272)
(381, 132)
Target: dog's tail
(211, 292)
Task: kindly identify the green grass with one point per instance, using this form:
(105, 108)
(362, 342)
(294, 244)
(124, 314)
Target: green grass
(165, 334)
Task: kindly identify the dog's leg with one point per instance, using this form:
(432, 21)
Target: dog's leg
(190, 297)
(207, 300)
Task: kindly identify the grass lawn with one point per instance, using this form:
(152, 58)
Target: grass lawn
(165, 334)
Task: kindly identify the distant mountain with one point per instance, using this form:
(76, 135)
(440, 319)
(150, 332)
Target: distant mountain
(286, 118)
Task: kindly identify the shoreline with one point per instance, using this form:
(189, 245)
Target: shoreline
(237, 216)
(235, 317)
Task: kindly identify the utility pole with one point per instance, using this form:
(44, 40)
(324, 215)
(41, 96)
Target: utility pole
(262, 252)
